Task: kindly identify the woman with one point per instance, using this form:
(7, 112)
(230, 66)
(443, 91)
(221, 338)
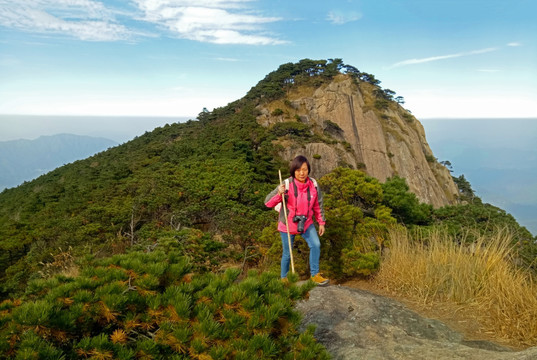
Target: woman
(304, 202)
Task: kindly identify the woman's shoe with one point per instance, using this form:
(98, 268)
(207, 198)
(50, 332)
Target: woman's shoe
(319, 279)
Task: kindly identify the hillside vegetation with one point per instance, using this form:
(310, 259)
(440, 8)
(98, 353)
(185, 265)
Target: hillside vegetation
(148, 305)
(89, 232)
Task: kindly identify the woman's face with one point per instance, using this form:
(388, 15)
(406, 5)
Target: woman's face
(301, 174)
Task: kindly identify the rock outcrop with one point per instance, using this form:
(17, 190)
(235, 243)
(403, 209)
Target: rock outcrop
(356, 324)
(383, 140)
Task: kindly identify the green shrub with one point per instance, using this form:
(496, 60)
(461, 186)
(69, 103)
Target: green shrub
(347, 146)
(358, 221)
(148, 305)
(408, 118)
(405, 205)
(332, 126)
(293, 129)
(277, 112)
(356, 263)
(382, 104)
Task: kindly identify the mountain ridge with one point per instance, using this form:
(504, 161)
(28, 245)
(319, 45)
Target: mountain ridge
(25, 159)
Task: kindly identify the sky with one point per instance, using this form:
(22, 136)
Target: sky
(446, 58)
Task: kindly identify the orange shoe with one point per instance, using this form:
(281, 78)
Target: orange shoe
(320, 280)
(285, 281)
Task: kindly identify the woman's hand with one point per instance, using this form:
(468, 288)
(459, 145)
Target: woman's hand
(281, 189)
(321, 230)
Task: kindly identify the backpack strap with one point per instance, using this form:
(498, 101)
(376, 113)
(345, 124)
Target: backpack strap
(278, 207)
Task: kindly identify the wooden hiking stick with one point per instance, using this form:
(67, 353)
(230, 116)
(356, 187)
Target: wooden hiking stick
(287, 225)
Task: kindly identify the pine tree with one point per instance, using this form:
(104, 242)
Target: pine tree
(143, 306)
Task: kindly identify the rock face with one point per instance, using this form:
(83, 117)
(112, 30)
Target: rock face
(382, 140)
(356, 324)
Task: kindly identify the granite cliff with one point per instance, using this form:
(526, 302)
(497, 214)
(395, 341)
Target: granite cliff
(379, 137)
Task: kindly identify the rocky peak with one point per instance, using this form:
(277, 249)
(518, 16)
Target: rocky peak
(355, 128)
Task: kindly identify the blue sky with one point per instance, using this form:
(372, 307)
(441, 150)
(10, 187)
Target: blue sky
(447, 58)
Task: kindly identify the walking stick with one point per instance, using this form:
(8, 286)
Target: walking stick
(287, 226)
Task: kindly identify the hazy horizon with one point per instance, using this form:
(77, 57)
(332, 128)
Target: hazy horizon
(497, 156)
(117, 128)
(122, 128)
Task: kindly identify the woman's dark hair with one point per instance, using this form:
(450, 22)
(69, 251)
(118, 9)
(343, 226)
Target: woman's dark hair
(297, 164)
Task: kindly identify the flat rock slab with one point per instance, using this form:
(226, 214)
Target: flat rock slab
(356, 324)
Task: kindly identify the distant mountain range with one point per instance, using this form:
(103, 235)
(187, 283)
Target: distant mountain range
(497, 156)
(24, 160)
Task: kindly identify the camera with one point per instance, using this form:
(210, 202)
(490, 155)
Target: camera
(300, 220)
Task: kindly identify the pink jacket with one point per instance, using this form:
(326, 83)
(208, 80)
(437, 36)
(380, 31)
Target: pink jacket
(298, 205)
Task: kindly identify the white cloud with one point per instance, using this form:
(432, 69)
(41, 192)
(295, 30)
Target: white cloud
(514, 44)
(441, 57)
(488, 70)
(82, 19)
(219, 22)
(227, 59)
(218, 4)
(340, 17)
(213, 21)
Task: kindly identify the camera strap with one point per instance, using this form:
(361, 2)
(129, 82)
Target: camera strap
(296, 197)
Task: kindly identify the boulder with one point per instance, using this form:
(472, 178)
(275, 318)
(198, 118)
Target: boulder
(356, 324)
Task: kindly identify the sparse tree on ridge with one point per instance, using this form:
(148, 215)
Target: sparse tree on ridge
(465, 189)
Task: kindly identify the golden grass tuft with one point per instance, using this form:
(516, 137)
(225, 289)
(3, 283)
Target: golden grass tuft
(433, 268)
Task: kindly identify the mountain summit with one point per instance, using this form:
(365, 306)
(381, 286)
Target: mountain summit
(368, 128)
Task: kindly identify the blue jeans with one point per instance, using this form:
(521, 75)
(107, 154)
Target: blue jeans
(311, 237)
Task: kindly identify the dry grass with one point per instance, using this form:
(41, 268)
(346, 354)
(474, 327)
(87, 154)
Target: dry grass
(63, 264)
(480, 276)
